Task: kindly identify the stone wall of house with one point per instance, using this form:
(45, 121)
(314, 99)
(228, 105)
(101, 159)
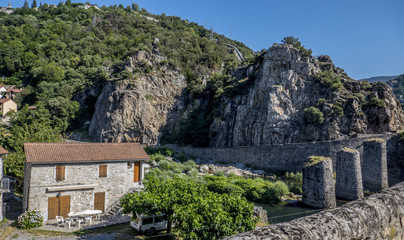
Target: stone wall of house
(291, 157)
(117, 183)
(1, 195)
(376, 217)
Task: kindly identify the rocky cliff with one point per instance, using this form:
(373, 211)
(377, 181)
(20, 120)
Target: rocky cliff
(272, 111)
(137, 109)
(290, 97)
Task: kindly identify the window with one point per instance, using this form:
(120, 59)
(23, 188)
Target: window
(103, 171)
(148, 220)
(129, 165)
(60, 173)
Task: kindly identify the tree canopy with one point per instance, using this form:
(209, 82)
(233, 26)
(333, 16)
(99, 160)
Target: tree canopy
(197, 212)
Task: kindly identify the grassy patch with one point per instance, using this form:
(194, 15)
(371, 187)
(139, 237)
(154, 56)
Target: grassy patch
(313, 160)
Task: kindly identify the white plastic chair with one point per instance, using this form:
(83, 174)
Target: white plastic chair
(68, 222)
(59, 219)
(88, 220)
(79, 221)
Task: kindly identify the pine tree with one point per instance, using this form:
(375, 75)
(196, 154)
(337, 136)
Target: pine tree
(40, 4)
(34, 5)
(26, 4)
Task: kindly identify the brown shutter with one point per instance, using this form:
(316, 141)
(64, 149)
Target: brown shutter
(99, 201)
(136, 172)
(64, 206)
(53, 207)
(103, 171)
(60, 173)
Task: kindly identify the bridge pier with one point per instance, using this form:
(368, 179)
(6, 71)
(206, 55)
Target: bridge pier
(349, 176)
(318, 183)
(374, 165)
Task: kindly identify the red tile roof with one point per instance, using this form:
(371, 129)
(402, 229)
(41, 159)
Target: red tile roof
(14, 90)
(2, 151)
(3, 100)
(83, 152)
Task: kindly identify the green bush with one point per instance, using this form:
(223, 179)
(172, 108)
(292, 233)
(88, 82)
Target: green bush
(30, 219)
(375, 101)
(275, 192)
(165, 165)
(182, 157)
(193, 173)
(218, 173)
(313, 115)
(296, 190)
(295, 176)
(329, 79)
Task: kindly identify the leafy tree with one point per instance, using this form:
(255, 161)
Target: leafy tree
(313, 115)
(297, 44)
(197, 212)
(135, 7)
(26, 5)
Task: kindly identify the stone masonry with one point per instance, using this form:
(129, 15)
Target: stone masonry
(374, 165)
(376, 217)
(348, 175)
(318, 183)
(42, 178)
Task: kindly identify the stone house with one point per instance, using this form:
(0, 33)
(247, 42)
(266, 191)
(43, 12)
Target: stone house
(72, 177)
(3, 189)
(7, 105)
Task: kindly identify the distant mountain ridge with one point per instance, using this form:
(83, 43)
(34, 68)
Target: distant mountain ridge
(378, 79)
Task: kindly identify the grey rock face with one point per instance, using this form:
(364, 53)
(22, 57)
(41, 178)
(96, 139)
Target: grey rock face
(374, 166)
(348, 175)
(137, 110)
(318, 184)
(271, 111)
(260, 213)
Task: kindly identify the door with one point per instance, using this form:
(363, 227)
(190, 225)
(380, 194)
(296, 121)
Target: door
(99, 201)
(136, 172)
(53, 207)
(58, 206)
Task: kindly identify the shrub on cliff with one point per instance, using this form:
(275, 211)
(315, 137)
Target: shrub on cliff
(313, 115)
(297, 44)
(329, 79)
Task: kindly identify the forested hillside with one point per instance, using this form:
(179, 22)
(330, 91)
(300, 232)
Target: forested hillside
(54, 53)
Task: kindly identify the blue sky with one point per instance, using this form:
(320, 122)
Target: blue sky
(365, 37)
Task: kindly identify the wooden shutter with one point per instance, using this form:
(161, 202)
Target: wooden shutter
(99, 201)
(103, 171)
(53, 207)
(136, 172)
(64, 206)
(60, 173)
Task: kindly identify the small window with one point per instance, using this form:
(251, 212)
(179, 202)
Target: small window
(129, 165)
(159, 219)
(60, 173)
(148, 220)
(103, 171)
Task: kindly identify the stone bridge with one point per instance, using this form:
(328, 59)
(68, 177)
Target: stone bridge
(292, 157)
(380, 216)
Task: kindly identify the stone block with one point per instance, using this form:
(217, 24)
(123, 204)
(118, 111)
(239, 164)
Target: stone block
(374, 165)
(318, 183)
(348, 175)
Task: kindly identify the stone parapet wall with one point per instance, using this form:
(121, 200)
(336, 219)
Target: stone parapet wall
(379, 216)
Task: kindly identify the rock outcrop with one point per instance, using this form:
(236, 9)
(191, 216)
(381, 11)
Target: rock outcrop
(272, 110)
(269, 110)
(138, 109)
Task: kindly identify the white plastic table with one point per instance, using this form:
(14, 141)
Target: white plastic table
(92, 212)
